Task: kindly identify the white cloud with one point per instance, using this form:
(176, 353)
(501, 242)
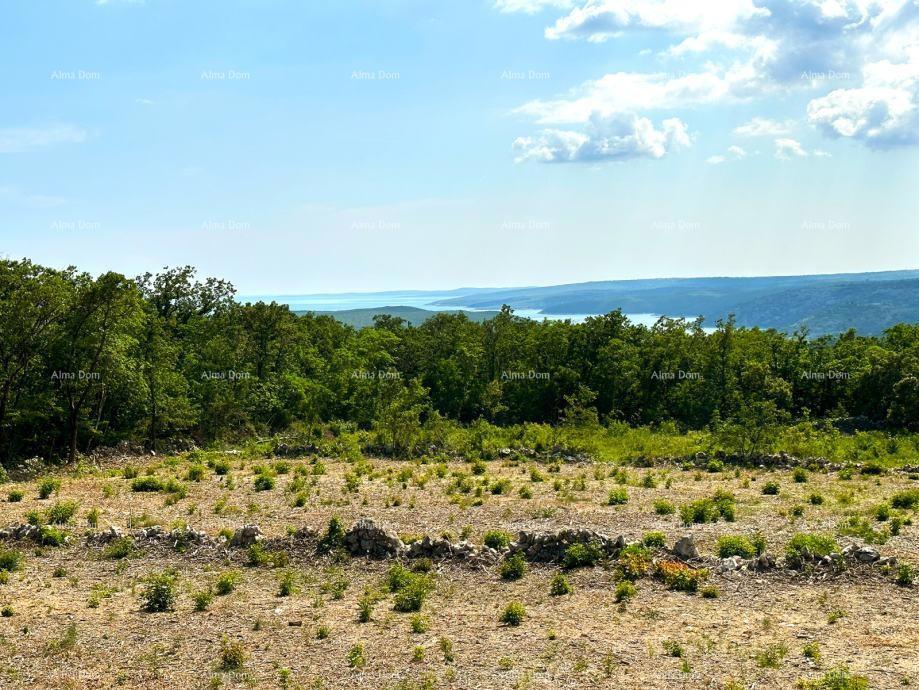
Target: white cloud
(20, 139)
(786, 149)
(763, 127)
(715, 160)
(882, 113)
(598, 20)
(737, 152)
(621, 137)
(531, 6)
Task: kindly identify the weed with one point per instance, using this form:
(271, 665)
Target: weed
(160, 591)
(497, 539)
(513, 614)
(625, 590)
(514, 567)
(232, 655)
(559, 585)
(582, 555)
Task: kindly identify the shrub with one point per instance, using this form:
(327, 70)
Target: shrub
(710, 592)
(617, 496)
(859, 527)
(334, 538)
(287, 583)
(497, 539)
(905, 500)
(160, 591)
(411, 596)
(122, 547)
(92, 517)
(129, 472)
(770, 489)
(61, 512)
(799, 475)
(812, 651)
(221, 467)
(263, 483)
(905, 575)
(735, 545)
(673, 648)
(232, 655)
(148, 483)
(419, 624)
(633, 562)
(837, 679)
(322, 632)
(681, 577)
(513, 613)
(655, 540)
(582, 555)
(721, 505)
(882, 513)
(625, 590)
(560, 585)
(202, 599)
(803, 547)
(10, 560)
(815, 499)
(226, 582)
(514, 567)
(662, 507)
(196, 473)
(356, 657)
(771, 656)
(51, 536)
(48, 486)
(14, 496)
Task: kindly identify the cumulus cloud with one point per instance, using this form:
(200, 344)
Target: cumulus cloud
(786, 149)
(21, 139)
(882, 113)
(737, 152)
(531, 6)
(621, 137)
(763, 127)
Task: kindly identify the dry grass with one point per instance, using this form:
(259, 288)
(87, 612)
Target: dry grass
(581, 640)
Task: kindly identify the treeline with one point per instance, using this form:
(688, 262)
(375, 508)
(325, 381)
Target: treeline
(88, 361)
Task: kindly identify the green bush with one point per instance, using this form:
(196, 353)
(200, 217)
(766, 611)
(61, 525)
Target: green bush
(905, 500)
(617, 496)
(160, 591)
(662, 507)
(815, 499)
(334, 538)
(625, 590)
(513, 614)
(148, 483)
(232, 655)
(720, 505)
(799, 475)
(61, 512)
(560, 585)
(226, 582)
(48, 486)
(122, 547)
(14, 496)
(514, 567)
(837, 679)
(582, 555)
(656, 540)
(263, 482)
(497, 539)
(770, 489)
(51, 536)
(735, 545)
(10, 560)
(802, 546)
(196, 473)
(202, 599)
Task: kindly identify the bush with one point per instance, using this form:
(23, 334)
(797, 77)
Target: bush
(560, 586)
(10, 560)
(617, 496)
(411, 594)
(48, 486)
(803, 547)
(799, 475)
(710, 592)
(815, 499)
(882, 513)
(681, 577)
(334, 538)
(770, 489)
(513, 567)
(419, 624)
(720, 505)
(654, 540)
(160, 591)
(735, 545)
(51, 536)
(287, 583)
(905, 575)
(662, 507)
(837, 679)
(202, 599)
(122, 547)
(148, 484)
(356, 657)
(497, 539)
(263, 483)
(226, 582)
(221, 467)
(196, 473)
(14, 496)
(771, 656)
(582, 555)
(232, 655)
(905, 500)
(61, 512)
(625, 590)
(513, 613)
(633, 562)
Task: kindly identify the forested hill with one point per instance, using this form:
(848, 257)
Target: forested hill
(362, 318)
(92, 360)
(867, 302)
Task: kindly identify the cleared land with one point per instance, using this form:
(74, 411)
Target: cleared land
(73, 614)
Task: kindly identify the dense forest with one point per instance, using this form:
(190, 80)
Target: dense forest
(89, 361)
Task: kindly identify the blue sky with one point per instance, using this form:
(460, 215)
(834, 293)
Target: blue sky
(508, 142)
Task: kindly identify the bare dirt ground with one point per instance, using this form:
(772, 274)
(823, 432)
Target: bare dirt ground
(76, 618)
